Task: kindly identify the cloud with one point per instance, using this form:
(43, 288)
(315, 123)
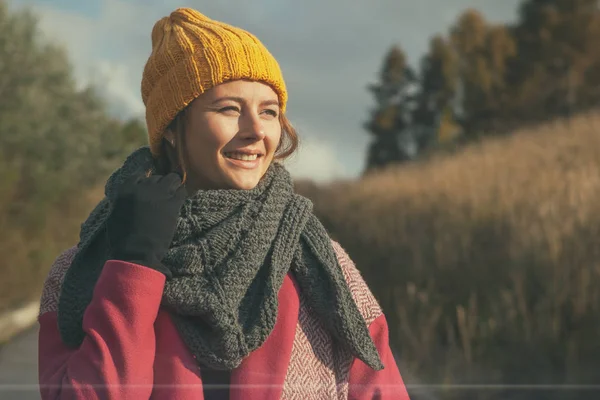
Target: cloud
(329, 51)
(86, 37)
(112, 81)
(316, 160)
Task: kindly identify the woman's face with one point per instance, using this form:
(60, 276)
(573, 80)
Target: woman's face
(231, 134)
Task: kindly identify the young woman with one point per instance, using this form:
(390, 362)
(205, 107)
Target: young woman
(201, 274)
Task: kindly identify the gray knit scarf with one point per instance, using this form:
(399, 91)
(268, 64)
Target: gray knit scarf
(230, 254)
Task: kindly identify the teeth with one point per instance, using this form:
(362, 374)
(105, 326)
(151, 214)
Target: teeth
(243, 157)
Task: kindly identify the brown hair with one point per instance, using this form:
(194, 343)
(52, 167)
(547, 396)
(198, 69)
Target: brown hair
(174, 159)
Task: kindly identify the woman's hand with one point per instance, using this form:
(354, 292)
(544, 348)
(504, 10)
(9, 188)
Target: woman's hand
(143, 222)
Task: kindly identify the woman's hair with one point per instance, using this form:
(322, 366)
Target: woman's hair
(173, 158)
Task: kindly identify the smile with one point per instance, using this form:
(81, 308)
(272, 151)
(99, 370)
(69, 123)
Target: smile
(242, 156)
(243, 160)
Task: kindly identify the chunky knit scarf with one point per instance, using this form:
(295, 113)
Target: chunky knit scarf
(230, 254)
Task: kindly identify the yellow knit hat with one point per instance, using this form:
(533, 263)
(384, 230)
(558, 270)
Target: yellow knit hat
(192, 53)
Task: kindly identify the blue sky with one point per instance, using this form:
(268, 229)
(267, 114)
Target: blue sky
(329, 52)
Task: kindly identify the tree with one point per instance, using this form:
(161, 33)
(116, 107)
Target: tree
(559, 48)
(483, 79)
(484, 55)
(437, 91)
(55, 139)
(389, 124)
(57, 146)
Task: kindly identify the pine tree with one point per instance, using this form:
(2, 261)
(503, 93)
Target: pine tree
(389, 124)
(437, 91)
(484, 56)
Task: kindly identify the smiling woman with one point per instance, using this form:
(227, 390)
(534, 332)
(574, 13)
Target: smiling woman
(202, 274)
(228, 137)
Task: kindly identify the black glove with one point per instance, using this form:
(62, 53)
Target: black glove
(144, 218)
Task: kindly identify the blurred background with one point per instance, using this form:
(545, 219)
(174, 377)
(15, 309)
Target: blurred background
(451, 146)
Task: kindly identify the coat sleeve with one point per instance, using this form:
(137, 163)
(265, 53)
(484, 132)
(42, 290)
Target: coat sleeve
(365, 383)
(115, 360)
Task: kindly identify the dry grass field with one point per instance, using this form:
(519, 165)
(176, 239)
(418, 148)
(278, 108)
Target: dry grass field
(487, 261)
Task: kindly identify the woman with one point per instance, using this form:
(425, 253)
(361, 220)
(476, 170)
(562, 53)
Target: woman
(201, 274)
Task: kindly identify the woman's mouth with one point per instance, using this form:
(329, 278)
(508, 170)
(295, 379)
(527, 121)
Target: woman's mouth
(242, 156)
(243, 160)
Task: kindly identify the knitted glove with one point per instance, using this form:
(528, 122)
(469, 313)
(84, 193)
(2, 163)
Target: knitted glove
(144, 218)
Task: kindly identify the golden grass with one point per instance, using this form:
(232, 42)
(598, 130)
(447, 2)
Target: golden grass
(487, 262)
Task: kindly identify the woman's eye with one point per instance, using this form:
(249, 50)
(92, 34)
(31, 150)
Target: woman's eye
(272, 112)
(230, 108)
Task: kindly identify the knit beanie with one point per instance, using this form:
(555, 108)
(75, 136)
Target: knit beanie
(192, 53)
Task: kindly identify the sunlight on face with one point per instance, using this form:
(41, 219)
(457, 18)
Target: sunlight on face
(232, 133)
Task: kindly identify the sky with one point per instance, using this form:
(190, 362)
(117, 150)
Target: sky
(329, 51)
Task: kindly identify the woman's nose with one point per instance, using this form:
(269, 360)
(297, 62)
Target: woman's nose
(254, 129)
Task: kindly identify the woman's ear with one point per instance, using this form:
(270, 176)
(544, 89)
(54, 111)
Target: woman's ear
(169, 136)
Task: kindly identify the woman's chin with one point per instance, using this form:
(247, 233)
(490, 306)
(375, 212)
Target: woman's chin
(244, 181)
(243, 175)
